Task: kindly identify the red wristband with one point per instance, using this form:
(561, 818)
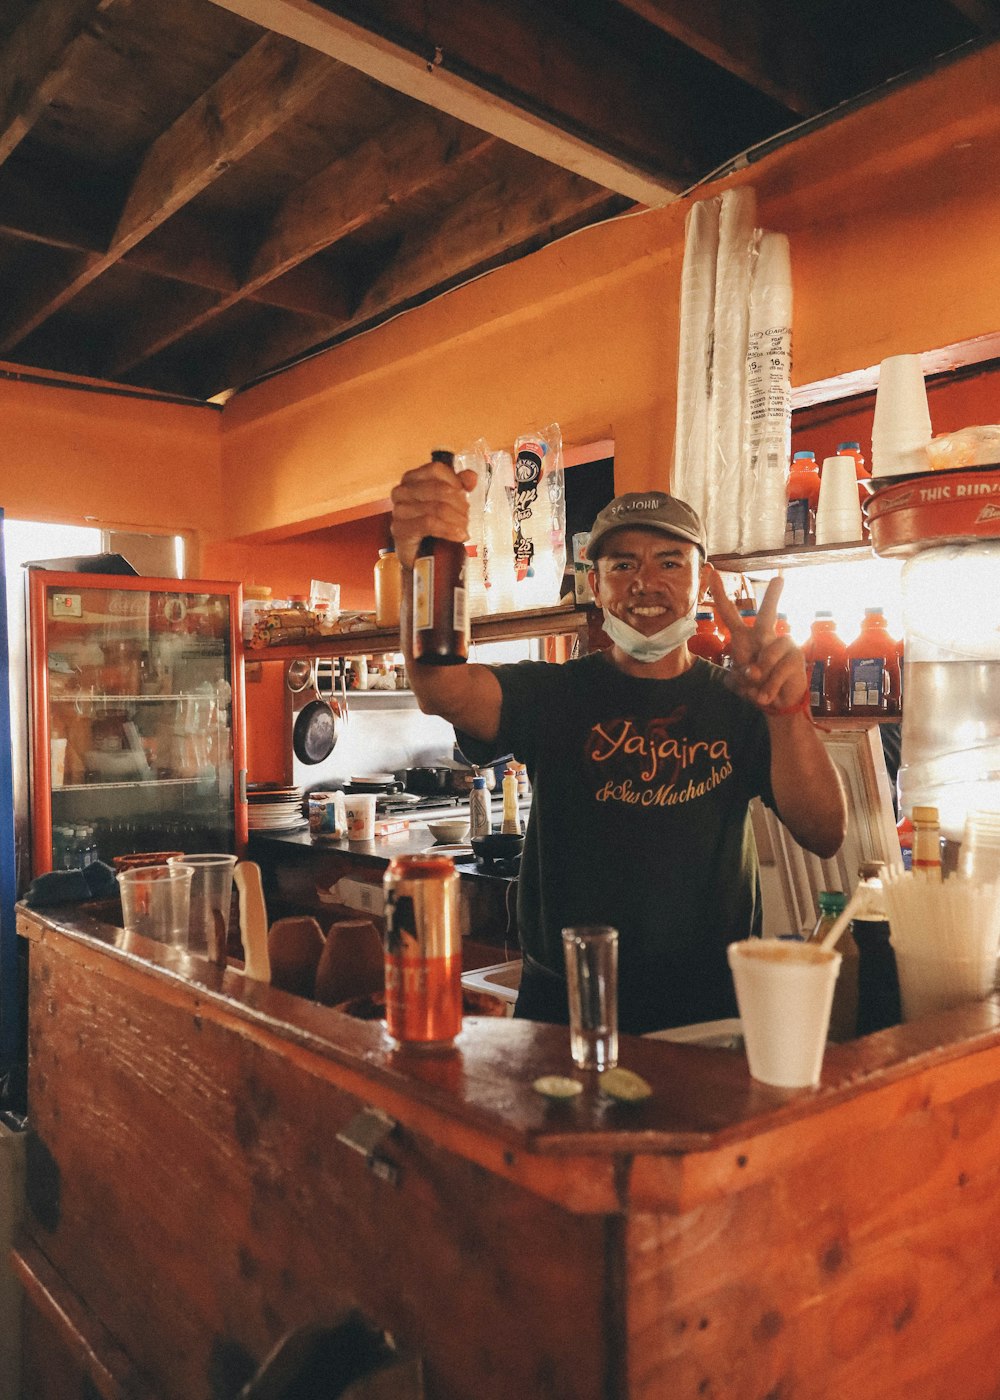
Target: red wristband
(802, 704)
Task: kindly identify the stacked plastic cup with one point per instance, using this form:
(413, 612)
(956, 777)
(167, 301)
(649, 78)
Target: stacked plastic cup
(901, 428)
(979, 858)
(838, 511)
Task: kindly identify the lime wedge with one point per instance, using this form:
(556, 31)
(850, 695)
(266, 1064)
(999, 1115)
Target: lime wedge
(624, 1084)
(557, 1086)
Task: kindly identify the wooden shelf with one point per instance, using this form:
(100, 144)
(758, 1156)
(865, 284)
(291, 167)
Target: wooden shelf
(496, 627)
(853, 551)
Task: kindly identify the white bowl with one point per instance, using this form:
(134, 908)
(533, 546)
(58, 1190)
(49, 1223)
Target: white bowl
(452, 831)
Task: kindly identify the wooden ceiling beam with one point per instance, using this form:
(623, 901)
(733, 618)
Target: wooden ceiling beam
(258, 94)
(521, 208)
(37, 210)
(172, 319)
(517, 71)
(768, 47)
(386, 170)
(984, 14)
(510, 216)
(35, 62)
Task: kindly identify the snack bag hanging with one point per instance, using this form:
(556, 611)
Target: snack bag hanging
(539, 518)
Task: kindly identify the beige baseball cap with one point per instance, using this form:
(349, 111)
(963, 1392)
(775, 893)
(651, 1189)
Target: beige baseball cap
(647, 510)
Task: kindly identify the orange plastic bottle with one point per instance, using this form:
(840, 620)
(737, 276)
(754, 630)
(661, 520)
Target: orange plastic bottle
(781, 626)
(874, 669)
(803, 497)
(827, 667)
(706, 641)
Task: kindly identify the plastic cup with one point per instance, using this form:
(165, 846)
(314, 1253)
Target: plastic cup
(211, 901)
(359, 811)
(156, 901)
(838, 510)
(980, 855)
(784, 992)
(591, 952)
(928, 984)
(901, 428)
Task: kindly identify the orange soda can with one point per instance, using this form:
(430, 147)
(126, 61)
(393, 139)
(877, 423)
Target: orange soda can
(423, 951)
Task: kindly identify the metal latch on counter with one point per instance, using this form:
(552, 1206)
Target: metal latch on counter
(365, 1133)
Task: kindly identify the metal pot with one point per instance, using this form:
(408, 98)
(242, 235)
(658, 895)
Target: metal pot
(460, 779)
(427, 780)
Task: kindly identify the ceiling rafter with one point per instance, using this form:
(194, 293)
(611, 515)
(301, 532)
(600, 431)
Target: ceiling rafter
(252, 99)
(35, 62)
(518, 72)
(771, 49)
(387, 169)
(522, 208)
(984, 14)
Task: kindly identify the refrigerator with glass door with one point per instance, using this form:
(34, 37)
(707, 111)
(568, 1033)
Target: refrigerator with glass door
(136, 717)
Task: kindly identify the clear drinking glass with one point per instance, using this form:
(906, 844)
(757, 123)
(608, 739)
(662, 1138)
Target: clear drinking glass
(591, 952)
(211, 899)
(156, 901)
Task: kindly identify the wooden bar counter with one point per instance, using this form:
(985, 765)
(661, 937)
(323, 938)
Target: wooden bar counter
(192, 1199)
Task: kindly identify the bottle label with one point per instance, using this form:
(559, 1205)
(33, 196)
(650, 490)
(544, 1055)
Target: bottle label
(423, 593)
(868, 677)
(797, 522)
(461, 610)
(816, 677)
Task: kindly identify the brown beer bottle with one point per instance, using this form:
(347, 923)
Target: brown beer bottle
(440, 609)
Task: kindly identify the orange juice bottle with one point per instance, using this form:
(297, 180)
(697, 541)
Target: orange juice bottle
(706, 642)
(827, 667)
(803, 496)
(873, 661)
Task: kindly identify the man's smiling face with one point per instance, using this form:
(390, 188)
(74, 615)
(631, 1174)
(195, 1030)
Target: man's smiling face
(646, 578)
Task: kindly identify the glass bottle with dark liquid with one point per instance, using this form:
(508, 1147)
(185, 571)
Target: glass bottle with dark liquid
(440, 607)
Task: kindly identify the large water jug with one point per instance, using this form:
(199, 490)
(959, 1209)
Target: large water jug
(951, 686)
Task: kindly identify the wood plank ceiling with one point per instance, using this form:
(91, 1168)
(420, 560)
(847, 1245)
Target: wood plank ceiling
(194, 194)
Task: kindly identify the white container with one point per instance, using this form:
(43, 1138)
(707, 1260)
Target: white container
(951, 713)
(838, 510)
(901, 428)
(784, 992)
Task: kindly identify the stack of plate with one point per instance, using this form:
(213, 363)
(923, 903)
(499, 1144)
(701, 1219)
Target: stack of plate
(274, 808)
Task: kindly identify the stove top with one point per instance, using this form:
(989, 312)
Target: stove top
(407, 804)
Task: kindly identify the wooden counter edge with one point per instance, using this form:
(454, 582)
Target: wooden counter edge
(622, 1158)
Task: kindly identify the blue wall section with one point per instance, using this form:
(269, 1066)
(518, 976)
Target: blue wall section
(10, 1011)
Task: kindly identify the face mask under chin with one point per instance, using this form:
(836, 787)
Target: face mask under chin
(654, 648)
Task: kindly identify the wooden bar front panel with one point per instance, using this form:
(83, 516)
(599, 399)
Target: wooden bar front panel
(192, 1189)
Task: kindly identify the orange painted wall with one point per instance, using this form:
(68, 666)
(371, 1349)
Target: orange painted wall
(343, 554)
(892, 214)
(77, 457)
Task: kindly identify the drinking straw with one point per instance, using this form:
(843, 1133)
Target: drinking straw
(842, 920)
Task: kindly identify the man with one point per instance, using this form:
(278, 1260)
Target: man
(642, 760)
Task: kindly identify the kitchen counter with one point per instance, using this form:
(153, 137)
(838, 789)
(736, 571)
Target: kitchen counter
(194, 1197)
(339, 879)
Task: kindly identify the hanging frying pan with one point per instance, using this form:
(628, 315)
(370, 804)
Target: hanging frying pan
(317, 724)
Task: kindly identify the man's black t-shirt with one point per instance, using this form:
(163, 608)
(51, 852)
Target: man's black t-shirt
(640, 820)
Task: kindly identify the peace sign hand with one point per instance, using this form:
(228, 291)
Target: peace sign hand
(768, 670)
